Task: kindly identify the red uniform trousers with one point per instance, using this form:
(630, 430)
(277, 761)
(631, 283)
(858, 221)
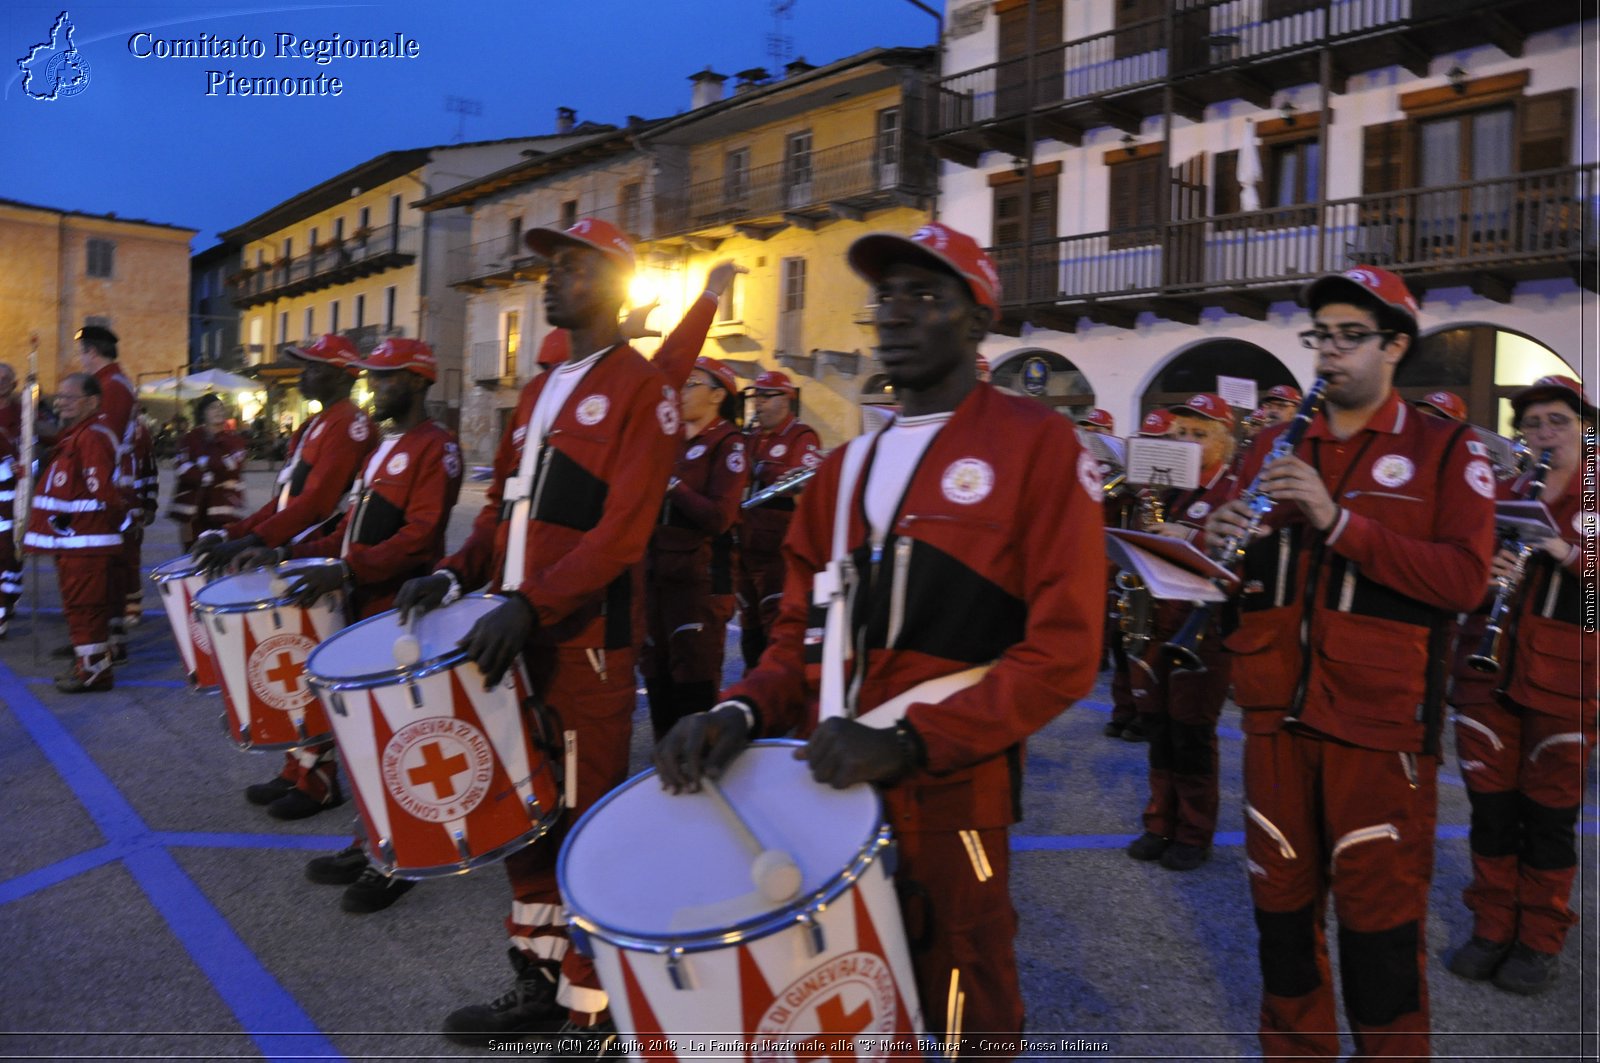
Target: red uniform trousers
(760, 590)
(10, 578)
(84, 599)
(1322, 815)
(131, 606)
(955, 900)
(598, 715)
(1178, 711)
(686, 630)
(1525, 773)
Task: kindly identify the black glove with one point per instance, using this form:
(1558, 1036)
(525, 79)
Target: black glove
(421, 594)
(701, 744)
(222, 557)
(497, 638)
(843, 752)
(313, 582)
(207, 542)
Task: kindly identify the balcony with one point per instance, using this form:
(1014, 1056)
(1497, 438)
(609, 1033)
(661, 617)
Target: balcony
(849, 181)
(488, 368)
(338, 263)
(1486, 235)
(496, 263)
(1206, 52)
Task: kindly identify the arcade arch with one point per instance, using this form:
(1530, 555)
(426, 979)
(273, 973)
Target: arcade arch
(1484, 364)
(1196, 368)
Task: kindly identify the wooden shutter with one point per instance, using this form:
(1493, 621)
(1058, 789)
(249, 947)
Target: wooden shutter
(1544, 140)
(1385, 160)
(1136, 188)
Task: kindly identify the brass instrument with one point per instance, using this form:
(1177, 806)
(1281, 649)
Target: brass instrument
(788, 484)
(1487, 657)
(1134, 611)
(1181, 650)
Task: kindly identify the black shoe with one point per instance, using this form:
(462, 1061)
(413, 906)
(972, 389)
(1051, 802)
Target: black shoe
(1112, 730)
(1478, 958)
(119, 653)
(1133, 732)
(341, 869)
(1148, 846)
(528, 1007)
(297, 804)
(264, 793)
(1527, 971)
(64, 653)
(373, 892)
(1181, 857)
(572, 1041)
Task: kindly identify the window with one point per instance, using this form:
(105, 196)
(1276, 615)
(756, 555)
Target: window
(887, 156)
(311, 323)
(388, 307)
(1011, 76)
(338, 230)
(569, 214)
(630, 208)
(333, 316)
(513, 342)
(361, 311)
(288, 248)
(364, 219)
(205, 286)
(514, 236)
(1140, 25)
(1135, 191)
(731, 306)
(283, 327)
(1292, 173)
(791, 305)
(101, 255)
(1009, 234)
(394, 211)
(736, 175)
(797, 168)
(311, 244)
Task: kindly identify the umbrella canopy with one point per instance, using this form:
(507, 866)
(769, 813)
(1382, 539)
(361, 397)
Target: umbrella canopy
(197, 384)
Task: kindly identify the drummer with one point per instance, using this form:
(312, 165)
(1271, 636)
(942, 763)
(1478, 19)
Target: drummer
(970, 496)
(393, 531)
(600, 432)
(324, 457)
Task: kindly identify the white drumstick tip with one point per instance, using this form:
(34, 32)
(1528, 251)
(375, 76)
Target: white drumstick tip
(278, 587)
(407, 650)
(776, 875)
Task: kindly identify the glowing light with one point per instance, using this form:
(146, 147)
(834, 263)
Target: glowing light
(645, 288)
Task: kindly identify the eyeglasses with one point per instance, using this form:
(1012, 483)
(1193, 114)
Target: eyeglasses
(1556, 421)
(769, 394)
(687, 384)
(1344, 341)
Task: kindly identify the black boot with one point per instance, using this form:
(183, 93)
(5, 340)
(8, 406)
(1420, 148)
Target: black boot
(528, 1007)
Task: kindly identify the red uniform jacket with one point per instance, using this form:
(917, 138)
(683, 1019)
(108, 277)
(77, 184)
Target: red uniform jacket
(11, 420)
(396, 521)
(791, 447)
(142, 461)
(1349, 632)
(997, 555)
(324, 457)
(598, 488)
(210, 488)
(8, 492)
(77, 508)
(703, 502)
(1542, 666)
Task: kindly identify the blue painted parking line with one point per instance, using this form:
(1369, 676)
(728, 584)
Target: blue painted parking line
(15, 889)
(266, 1011)
(205, 840)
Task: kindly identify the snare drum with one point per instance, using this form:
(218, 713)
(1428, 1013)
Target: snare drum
(659, 891)
(179, 580)
(260, 643)
(446, 775)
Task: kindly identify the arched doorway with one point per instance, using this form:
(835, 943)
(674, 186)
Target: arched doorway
(1481, 363)
(1197, 369)
(1043, 375)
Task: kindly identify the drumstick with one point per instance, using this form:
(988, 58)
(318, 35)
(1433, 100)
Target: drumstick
(774, 871)
(407, 647)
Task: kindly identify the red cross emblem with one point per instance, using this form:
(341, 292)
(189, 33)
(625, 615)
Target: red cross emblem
(438, 770)
(287, 672)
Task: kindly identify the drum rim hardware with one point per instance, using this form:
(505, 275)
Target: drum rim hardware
(403, 673)
(262, 605)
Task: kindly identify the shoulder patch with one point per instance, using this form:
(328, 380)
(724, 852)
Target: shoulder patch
(967, 481)
(736, 460)
(397, 464)
(452, 460)
(667, 414)
(1393, 470)
(592, 410)
(1480, 477)
(1089, 476)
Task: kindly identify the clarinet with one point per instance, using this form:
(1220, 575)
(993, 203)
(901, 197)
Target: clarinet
(1182, 650)
(1487, 658)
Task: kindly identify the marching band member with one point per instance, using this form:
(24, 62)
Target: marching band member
(145, 483)
(1525, 735)
(10, 472)
(1098, 421)
(209, 489)
(782, 446)
(1179, 708)
(77, 513)
(393, 531)
(970, 496)
(689, 565)
(579, 479)
(1279, 404)
(324, 456)
(1382, 531)
(97, 353)
(1445, 404)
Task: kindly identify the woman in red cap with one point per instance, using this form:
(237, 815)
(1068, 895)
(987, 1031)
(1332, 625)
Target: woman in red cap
(1524, 734)
(690, 563)
(1178, 709)
(209, 492)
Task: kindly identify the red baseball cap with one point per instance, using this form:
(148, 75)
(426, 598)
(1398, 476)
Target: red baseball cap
(719, 372)
(1552, 389)
(329, 349)
(1366, 283)
(1156, 423)
(771, 380)
(1206, 404)
(398, 353)
(595, 233)
(933, 245)
(1099, 418)
(1283, 393)
(1446, 402)
(554, 348)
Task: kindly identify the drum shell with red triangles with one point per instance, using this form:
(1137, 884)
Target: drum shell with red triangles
(691, 950)
(447, 776)
(260, 642)
(179, 580)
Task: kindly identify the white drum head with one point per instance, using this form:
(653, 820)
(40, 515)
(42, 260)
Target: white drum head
(647, 864)
(253, 587)
(366, 650)
(177, 568)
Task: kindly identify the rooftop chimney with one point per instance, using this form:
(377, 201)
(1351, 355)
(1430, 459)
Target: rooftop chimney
(565, 116)
(797, 67)
(749, 79)
(707, 88)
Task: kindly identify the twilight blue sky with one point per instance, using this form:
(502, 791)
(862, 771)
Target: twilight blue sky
(144, 140)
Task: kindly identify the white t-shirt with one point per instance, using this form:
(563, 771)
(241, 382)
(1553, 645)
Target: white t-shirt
(900, 448)
(564, 380)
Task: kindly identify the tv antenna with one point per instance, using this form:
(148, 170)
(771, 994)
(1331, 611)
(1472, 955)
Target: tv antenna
(780, 45)
(462, 107)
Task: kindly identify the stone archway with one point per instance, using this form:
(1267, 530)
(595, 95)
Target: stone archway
(1044, 375)
(1197, 367)
(1482, 363)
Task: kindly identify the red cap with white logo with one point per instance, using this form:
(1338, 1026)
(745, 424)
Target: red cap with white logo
(329, 349)
(1366, 283)
(937, 245)
(595, 233)
(772, 380)
(1156, 423)
(718, 372)
(1207, 405)
(1552, 389)
(400, 353)
(1098, 418)
(1283, 393)
(1447, 403)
